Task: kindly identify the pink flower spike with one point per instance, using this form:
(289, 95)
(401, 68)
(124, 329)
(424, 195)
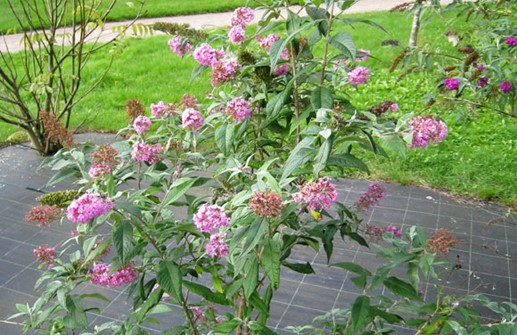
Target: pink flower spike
(237, 35)
(217, 246)
(158, 109)
(210, 217)
(317, 195)
(242, 16)
(426, 130)
(141, 124)
(207, 56)
(358, 76)
(238, 109)
(148, 153)
(45, 254)
(452, 83)
(192, 119)
(42, 215)
(371, 197)
(87, 207)
(178, 46)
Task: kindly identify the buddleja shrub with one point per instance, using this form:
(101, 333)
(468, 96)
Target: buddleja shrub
(222, 194)
(481, 72)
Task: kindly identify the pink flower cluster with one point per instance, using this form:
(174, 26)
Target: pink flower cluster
(510, 40)
(148, 153)
(394, 107)
(506, 86)
(210, 217)
(482, 82)
(44, 253)
(188, 101)
(451, 83)
(104, 160)
(371, 197)
(242, 16)
(180, 46)
(364, 55)
(281, 70)
(426, 129)
(317, 195)
(158, 109)
(358, 76)
(207, 56)
(238, 109)
(267, 42)
(237, 35)
(88, 206)
(98, 170)
(379, 231)
(42, 215)
(224, 70)
(192, 119)
(217, 246)
(101, 276)
(141, 124)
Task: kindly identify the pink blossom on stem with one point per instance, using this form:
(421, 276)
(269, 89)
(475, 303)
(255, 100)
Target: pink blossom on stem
(217, 246)
(100, 275)
(371, 197)
(267, 42)
(510, 40)
(45, 254)
(364, 55)
(242, 16)
(180, 46)
(506, 86)
(42, 215)
(358, 76)
(188, 101)
(207, 56)
(210, 217)
(317, 195)
(141, 124)
(158, 109)
(147, 153)
(87, 207)
(281, 70)
(451, 83)
(237, 35)
(238, 109)
(224, 70)
(192, 119)
(426, 130)
(394, 107)
(482, 82)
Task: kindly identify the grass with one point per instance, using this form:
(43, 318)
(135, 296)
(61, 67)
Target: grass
(152, 8)
(477, 159)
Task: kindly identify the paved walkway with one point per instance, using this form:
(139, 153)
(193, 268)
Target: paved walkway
(484, 260)
(12, 43)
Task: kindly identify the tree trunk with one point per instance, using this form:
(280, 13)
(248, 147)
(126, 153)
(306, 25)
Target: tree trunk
(415, 27)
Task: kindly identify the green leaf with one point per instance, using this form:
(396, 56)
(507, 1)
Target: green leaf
(170, 279)
(276, 49)
(226, 327)
(75, 316)
(123, 240)
(301, 154)
(347, 160)
(224, 138)
(360, 312)
(275, 104)
(270, 261)
(205, 292)
(63, 175)
(352, 267)
(351, 20)
(321, 97)
(401, 288)
(344, 43)
(394, 144)
(299, 267)
(178, 189)
(460, 330)
(251, 277)
(260, 305)
(321, 159)
(316, 13)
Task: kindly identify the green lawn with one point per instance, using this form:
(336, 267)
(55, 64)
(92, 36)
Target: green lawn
(477, 159)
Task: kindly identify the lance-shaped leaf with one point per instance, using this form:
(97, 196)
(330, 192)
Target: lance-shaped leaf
(270, 261)
(170, 279)
(224, 138)
(344, 43)
(321, 97)
(123, 240)
(301, 154)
